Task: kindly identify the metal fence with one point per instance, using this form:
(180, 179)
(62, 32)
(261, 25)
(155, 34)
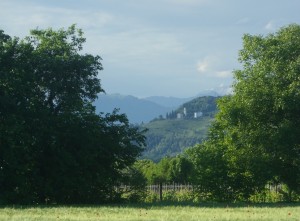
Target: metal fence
(170, 187)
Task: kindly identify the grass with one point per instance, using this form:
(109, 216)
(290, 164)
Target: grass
(154, 212)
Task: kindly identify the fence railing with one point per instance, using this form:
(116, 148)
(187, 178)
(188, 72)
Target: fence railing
(270, 190)
(170, 187)
(188, 187)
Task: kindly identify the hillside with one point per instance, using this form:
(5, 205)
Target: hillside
(169, 137)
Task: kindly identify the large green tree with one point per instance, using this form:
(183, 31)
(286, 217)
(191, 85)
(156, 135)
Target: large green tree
(265, 108)
(257, 129)
(53, 146)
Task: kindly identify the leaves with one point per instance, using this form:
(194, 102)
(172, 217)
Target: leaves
(52, 143)
(255, 132)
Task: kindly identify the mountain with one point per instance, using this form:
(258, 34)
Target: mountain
(175, 102)
(206, 105)
(208, 93)
(141, 110)
(137, 110)
(169, 137)
(172, 102)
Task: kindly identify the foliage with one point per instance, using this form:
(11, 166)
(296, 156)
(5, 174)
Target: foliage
(136, 181)
(172, 137)
(167, 170)
(53, 146)
(256, 135)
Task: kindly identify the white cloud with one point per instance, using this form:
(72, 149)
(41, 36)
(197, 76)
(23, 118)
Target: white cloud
(202, 66)
(23, 18)
(270, 26)
(144, 45)
(206, 64)
(213, 67)
(224, 74)
(223, 89)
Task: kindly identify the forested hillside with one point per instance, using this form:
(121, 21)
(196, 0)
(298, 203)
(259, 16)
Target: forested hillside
(169, 137)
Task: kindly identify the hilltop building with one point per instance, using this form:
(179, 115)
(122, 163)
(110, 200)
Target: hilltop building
(198, 114)
(184, 114)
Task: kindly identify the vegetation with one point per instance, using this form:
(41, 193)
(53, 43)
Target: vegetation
(255, 138)
(54, 148)
(208, 211)
(167, 170)
(207, 105)
(171, 136)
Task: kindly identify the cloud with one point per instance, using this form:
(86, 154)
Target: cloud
(145, 45)
(202, 66)
(23, 18)
(270, 26)
(213, 66)
(224, 74)
(223, 89)
(206, 64)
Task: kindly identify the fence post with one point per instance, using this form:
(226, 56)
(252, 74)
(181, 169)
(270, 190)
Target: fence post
(160, 191)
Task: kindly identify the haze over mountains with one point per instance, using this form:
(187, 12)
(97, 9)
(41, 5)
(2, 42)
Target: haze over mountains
(143, 110)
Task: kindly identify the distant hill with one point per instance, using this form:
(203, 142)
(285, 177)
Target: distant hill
(172, 102)
(140, 110)
(175, 102)
(207, 105)
(137, 110)
(169, 137)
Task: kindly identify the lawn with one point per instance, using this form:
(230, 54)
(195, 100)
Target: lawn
(155, 212)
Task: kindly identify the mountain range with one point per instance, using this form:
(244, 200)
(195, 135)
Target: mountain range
(143, 110)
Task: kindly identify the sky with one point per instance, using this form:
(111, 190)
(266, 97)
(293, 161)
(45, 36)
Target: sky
(157, 47)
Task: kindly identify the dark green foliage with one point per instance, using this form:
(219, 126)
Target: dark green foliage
(256, 135)
(134, 179)
(53, 147)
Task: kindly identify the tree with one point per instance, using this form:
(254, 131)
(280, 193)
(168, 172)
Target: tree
(256, 129)
(264, 109)
(210, 171)
(53, 146)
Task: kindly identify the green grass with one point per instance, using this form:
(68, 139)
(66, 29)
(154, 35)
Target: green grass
(155, 212)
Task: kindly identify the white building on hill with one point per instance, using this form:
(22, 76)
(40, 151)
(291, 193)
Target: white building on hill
(198, 114)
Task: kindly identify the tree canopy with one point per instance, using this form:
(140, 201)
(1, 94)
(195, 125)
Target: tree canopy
(53, 146)
(256, 134)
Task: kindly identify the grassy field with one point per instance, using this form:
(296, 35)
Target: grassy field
(155, 212)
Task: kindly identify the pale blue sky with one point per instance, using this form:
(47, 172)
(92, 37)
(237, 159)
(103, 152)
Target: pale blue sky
(157, 47)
